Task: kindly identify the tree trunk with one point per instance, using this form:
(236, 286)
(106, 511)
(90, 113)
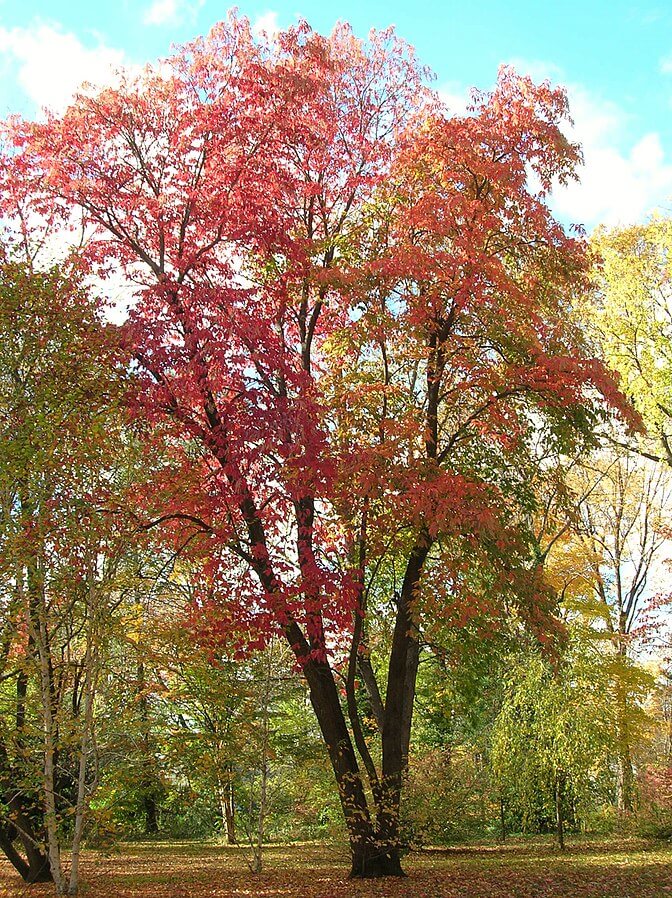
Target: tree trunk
(35, 867)
(625, 781)
(51, 814)
(85, 738)
(227, 807)
(149, 803)
(399, 699)
(36, 619)
(625, 777)
(372, 853)
(371, 860)
(375, 850)
(559, 824)
(327, 707)
(151, 815)
(13, 856)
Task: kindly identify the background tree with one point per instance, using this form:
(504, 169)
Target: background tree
(61, 546)
(622, 535)
(551, 738)
(633, 320)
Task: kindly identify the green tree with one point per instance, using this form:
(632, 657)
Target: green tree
(61, 546)
(552, 736)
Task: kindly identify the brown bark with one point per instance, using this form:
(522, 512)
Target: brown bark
(151, 815)
(22, 809)
(40, 635)
(371, 860)
(400, 695)
(34, 867)
(327, 707)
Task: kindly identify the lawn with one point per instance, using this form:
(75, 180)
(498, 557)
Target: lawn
(518, 869)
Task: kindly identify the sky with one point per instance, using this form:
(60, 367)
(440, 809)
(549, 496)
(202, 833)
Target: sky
(614, 58)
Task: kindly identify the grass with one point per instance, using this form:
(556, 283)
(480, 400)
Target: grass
(532, 868)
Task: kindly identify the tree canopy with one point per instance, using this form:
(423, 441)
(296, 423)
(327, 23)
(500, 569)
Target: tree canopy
(352, 351)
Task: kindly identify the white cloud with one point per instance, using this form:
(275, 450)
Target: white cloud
(171, 12)
(266, 23)
(52, 64)
(161, 12)
(622, 180)
(455, 98)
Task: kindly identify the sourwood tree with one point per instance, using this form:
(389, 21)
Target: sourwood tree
(352, 310)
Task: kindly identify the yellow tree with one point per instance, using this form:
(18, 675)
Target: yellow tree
(605, 567)
(633, 321)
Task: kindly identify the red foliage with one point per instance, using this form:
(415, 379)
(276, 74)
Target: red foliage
(655, 785)
(307, 226)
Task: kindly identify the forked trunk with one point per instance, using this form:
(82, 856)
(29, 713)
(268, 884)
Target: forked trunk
(327, 706)
(370, 861)
(400, 697)
(35, 866)
(375, 845)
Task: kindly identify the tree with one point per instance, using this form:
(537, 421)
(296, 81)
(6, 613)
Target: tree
(602, 535)
(353, 310)
(552, 735)
(621, 534)
(60, 553)
(633, 320)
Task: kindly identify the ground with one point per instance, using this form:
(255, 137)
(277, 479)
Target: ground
(517, 869)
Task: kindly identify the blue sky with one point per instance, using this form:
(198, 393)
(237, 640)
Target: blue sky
(614, 57)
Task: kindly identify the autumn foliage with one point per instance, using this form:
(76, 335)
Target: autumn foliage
(351, 333)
